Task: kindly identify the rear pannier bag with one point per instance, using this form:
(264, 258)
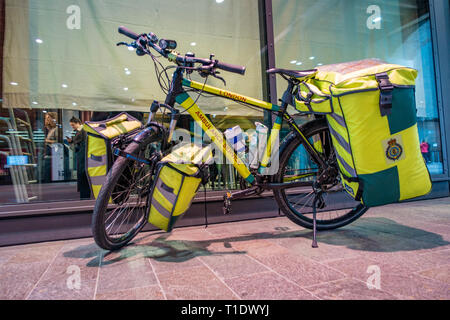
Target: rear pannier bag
(100, 137)
(177, 180)
(371, 112)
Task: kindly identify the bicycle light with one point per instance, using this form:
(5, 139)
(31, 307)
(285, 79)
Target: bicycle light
(167, 44)
(152, 37)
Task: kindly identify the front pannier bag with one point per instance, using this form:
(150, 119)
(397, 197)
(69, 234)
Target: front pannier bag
(100, 136)
(174, 189)
(371, 112)
(177, 180)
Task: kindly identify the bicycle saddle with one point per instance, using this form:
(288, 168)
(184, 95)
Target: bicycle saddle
(299, 75)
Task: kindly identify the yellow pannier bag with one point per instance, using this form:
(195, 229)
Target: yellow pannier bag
(371, 113)
(177, 180)
(100, 136)
(310, 99)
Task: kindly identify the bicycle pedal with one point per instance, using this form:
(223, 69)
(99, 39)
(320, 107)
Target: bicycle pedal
(227, 203)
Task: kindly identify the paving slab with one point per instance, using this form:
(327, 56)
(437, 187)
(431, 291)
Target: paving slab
(400, 251)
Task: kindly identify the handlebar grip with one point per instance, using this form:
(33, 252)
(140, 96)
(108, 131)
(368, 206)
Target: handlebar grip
(231, 68)
(128, 33)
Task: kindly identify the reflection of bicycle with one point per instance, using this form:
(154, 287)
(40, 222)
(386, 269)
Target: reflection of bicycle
(298, 191)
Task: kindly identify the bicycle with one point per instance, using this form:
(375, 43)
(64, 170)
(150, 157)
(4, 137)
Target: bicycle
(304, 195)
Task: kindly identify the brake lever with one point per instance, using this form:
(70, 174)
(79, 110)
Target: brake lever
(214, 74)
(210, 71)
(133, 45)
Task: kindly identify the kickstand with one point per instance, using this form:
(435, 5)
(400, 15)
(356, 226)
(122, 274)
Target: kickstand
(316, 199)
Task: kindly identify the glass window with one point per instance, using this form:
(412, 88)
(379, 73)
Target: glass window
(60, 62)
(311, 33)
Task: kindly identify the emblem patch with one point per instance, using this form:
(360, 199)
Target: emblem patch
(393, 149)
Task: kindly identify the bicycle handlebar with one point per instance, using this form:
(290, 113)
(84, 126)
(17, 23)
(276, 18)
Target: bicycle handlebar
(128, 33)
(183, 59)
(231, 67)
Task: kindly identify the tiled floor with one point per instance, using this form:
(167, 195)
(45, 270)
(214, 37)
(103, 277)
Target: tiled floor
(404, 250)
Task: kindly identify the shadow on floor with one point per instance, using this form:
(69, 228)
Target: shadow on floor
(367, 234)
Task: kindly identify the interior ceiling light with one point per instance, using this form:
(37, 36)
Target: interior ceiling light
(39, 41)
(64, 85)
(293, 61)
(14, 83)
(312, 58)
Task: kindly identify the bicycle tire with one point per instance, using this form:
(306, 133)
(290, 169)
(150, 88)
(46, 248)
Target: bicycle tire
(103, 200)
(291, 144)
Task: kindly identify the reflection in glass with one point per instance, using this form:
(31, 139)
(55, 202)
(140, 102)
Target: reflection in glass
(396, 31)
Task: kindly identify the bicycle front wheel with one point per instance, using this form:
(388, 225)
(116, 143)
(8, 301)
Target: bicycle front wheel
(297, 165)
(121, 208)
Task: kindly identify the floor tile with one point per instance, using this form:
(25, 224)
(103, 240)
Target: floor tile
(18, 279)
(300, 270)
(348, 289)
(196, 283)
(145, 293)
(267, 286)
(441, 273)
(125, 275)
(232, 265)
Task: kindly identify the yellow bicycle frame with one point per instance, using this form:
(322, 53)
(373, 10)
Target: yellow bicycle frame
(217, 137)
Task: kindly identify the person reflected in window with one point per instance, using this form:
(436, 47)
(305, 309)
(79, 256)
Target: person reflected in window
(78, 144)
(425, 149)
(50, 121)
(51, 137)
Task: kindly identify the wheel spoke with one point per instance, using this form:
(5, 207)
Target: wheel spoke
(130, 211)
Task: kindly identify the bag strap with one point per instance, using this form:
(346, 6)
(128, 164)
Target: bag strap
(308, 99)
(359, 192)
(386, 89)
(120, 153)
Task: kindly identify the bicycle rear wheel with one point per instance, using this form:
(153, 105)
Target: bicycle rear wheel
(297, 165)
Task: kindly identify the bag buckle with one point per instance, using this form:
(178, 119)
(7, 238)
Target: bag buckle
(386, 88)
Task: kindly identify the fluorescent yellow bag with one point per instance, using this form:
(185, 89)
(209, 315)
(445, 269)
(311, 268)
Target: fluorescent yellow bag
(100, 136)
(173, 191)
(177, 180)
(371, 112)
